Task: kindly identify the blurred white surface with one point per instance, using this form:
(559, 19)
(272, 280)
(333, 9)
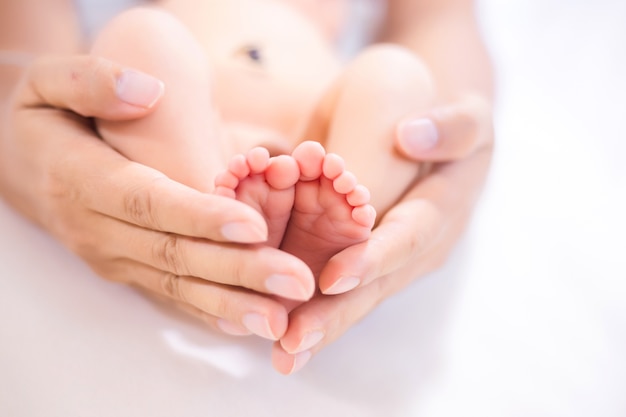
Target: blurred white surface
(528, 319)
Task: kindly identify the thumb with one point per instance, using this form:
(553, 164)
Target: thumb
(446, 133)
(90, 86)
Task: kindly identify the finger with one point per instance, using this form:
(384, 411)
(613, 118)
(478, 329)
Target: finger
(215, 323)
(256, 267)
(100, 179)
(147, 198)
(447, 133)
(318, 323)
(90, 86)
(260, 268)
(407, 229)
(413, 227)
(224, 306)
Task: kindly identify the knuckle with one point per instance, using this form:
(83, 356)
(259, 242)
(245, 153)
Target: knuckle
(240, 274)
(187, 290)
(88, 79)
(170, 286)
(28, 86)
(168, 253)
(105, 73)
(65, 215)
(80, 75)
(93, 68)
(139, 205)
(222, 307)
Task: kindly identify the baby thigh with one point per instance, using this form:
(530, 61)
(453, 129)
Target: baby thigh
(180, 138)
(381, 86)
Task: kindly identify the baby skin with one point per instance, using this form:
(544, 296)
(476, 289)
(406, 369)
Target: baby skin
(313, 207)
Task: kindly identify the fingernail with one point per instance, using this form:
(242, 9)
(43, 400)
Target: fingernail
(309, 340)
(231, 328)
(418, 136)
(299, 360)
(138, 89)
(287, 286)
(243, 233)
(343, 284)
(258, 325)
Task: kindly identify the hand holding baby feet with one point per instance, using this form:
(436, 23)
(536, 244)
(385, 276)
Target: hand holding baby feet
(313, 206)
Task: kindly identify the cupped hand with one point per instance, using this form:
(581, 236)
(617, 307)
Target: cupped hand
(412, 239)
(131, 223)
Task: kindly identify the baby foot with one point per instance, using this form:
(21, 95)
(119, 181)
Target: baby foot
(264, 183)
(330, 211)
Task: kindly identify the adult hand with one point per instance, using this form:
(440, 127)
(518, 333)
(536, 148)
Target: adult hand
(413, 238)
(129, 222)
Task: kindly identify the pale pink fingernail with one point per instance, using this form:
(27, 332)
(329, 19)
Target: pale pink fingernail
(242, 232)
(139, 89)
(343, 284)
(259, 325)
(418, 136)
(309, 340)
(288, 287)
(299, 360)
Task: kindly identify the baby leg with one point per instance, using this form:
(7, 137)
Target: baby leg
(382, 85)
(181, 137)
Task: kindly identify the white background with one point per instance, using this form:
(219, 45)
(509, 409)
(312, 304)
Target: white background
(528, 319)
